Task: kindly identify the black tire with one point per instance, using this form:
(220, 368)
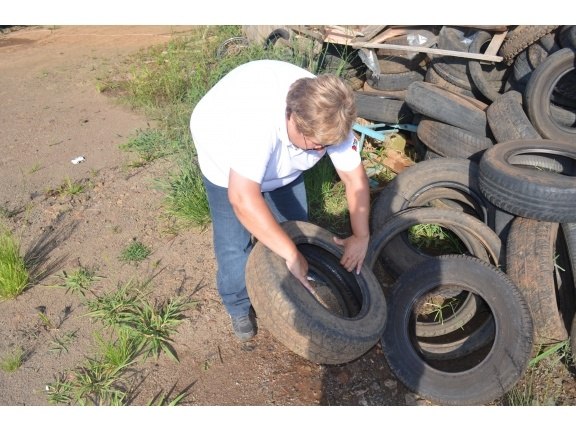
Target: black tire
(531, 58)
(439, 104)
(479, 239)
(344, 62)
(464, 345)
(567, 36)
(451, 141)
(415, 187)
(435, 78)
(502, 366)
(394, 82)
(301, 322)
(454, 69)
(520, 38)
(527, 192)
(481, 242)
(490, 89)
(378, 108)
(539, 264)
(507, 119)
(540, 89)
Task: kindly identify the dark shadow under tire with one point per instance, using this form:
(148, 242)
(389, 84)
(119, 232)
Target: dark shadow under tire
(313, 330)
(501, 367)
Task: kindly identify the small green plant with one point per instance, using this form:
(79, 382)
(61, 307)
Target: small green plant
(14, 275)
(166, 400)
(35, 168)
(78, 281)
(149, 324)
(135, 252)
(46, 321)
(60, 345)
(434, 239)
(438, 308)
(13, 360)
(70, 187)
(94, 383)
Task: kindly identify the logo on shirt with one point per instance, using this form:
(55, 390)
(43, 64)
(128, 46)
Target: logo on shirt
(355, 145)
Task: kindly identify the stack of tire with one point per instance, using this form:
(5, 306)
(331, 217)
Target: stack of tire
(497, 168)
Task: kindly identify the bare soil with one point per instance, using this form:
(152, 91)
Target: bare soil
(51, 113)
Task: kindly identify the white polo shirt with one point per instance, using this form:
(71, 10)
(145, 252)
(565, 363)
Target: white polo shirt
(240, 124)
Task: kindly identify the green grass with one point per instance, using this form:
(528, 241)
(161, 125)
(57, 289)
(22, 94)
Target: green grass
(150, 145)
(186, 196)
(540, 385)
(13, 360)
(14, 274)
(326, 197)
(96, 382)
(70, 187)
(435, 239)
(135, 252)
(151, 325)
(77, 281)
(60, 344)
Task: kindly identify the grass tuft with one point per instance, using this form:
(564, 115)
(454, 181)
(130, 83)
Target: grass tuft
(135, 252)
(13, 360)
(78, 281)
(14, 275)
(186, 196)
(150, 325)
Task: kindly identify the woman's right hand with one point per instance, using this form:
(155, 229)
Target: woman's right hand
(298, 266)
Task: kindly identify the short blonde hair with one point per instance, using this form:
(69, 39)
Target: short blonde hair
(323, 108)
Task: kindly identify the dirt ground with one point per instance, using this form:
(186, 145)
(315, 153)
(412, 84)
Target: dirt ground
(52, 112)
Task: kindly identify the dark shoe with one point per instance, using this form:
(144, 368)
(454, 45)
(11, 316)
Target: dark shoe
(244, 328)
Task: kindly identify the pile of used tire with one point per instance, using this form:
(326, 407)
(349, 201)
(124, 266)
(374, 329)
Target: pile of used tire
(497, 167)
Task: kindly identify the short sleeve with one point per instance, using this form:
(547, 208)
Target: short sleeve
(346, 155)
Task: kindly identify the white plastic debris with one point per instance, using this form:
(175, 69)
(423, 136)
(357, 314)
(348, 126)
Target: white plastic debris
(78, 160)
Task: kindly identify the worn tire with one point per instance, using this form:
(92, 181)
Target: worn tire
(480, 240)
(442, 105)
(297, 319)
(415, 186)
(508, 120)
(378, 108)
(533, 249)
(479, 75)
(540, 89)
(502, 366)
(520, 38)
(452, 141)
(524, 191)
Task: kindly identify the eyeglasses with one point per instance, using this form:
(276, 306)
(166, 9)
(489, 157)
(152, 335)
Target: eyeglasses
(316, 147)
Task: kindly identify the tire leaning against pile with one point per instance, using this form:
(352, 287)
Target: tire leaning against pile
(532, 264)
(502, 366)
(525, 191)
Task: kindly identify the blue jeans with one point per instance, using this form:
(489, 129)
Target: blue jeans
(233, 242)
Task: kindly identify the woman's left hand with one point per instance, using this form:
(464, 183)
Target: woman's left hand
(355, 249)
